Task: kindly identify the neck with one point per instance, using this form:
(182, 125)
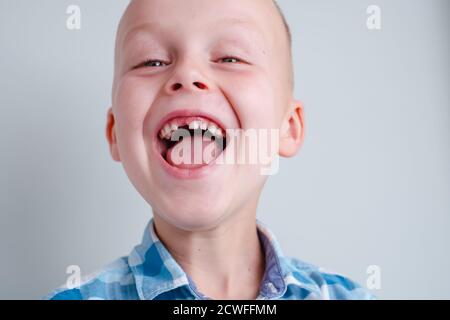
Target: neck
(225, 262)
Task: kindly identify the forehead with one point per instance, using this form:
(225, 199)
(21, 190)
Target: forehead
(197, 16)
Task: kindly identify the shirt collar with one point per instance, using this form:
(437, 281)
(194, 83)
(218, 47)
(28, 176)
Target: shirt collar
(156, 271)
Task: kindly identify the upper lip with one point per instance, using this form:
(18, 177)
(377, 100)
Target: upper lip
(188, 113)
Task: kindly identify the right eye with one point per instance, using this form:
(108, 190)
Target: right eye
(151, 63)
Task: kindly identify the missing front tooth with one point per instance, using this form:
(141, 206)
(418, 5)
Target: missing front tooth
(184, 131)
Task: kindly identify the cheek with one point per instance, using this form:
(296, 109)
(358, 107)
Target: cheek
(253, 95)
(132, 102)
(133, 99)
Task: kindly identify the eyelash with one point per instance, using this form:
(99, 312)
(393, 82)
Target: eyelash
(145, 64)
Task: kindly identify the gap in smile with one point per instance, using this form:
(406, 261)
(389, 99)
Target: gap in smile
(191, 127)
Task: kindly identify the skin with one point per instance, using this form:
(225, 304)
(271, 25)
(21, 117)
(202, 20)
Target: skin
(207, 224)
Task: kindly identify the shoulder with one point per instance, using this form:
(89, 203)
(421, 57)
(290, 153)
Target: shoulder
(115, 281)
(324, 284)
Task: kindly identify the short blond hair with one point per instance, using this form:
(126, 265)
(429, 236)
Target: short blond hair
(289, 39)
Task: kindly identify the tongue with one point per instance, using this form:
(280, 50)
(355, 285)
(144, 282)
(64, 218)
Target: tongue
(193, 152)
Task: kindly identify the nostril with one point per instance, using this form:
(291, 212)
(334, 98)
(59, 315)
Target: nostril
(200, 85)
(176, 86)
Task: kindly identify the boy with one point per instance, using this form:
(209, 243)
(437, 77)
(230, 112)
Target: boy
(188, 74)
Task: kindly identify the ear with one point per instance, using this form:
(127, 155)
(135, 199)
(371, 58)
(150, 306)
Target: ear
(292, 130)
(111, 135)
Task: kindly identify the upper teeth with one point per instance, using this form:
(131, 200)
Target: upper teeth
(170, 127)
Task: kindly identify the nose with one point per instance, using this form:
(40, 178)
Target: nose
(188, 78)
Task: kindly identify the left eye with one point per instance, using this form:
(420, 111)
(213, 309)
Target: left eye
(154, 63)
(231, 60)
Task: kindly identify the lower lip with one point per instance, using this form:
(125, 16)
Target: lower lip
(186, 174)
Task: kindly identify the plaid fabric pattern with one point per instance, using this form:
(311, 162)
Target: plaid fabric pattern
(151, 273)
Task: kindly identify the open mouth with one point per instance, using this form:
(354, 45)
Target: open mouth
(191, 142)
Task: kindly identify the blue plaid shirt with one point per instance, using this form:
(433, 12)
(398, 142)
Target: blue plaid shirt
(151, 273)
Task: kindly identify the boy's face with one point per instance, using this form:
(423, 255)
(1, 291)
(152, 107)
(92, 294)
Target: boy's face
(176, 60)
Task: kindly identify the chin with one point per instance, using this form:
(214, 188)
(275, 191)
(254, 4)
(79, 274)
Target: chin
(194, 214)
